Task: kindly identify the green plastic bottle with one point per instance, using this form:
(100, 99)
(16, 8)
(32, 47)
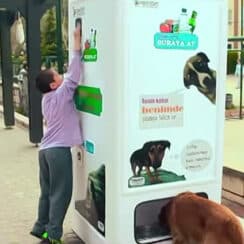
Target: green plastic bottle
(192, 21)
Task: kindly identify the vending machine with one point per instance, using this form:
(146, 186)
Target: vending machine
(151, 103)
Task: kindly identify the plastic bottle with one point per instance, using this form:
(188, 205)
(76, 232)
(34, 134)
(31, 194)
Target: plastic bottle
(91, 39)
(183, 21)
(175, 26)
(94, 38)
(192, 21)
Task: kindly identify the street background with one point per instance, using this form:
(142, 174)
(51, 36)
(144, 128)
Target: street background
(19, 181)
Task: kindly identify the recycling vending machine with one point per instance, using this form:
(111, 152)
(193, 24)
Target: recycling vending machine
(151, 104)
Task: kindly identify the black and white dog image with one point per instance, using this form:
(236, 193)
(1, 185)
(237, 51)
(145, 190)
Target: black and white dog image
(149, 156)
(197, 73)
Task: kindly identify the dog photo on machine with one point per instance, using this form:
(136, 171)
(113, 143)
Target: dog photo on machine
(199, 74)
(193, 219)
(149, 156)
(146, 164)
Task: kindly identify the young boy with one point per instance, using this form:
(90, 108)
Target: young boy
(62, 132)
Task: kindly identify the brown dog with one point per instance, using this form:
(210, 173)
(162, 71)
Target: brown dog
(195, 220)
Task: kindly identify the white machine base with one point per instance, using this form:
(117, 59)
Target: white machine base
(85, 231)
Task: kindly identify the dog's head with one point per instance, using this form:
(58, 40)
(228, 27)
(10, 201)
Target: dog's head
(156, 151)
(198, 73)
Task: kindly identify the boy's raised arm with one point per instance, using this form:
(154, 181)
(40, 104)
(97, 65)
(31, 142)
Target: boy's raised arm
(75, 68)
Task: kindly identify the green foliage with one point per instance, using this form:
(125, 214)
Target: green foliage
(21, 110)
(241, 54)
(49, 40)
(48, 35)
(232, 57)
(18, 59)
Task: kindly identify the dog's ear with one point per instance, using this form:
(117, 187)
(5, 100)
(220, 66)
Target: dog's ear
(189, 74)
(165, 144)
(203, 56)
(147, 145)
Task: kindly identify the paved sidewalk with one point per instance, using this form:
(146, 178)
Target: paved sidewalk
(234, 130)
(19, 189)
(233, 145)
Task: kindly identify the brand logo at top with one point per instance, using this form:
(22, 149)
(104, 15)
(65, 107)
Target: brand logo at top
(146, 3)
(77, 12)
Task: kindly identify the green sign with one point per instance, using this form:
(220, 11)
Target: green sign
(90, 55)
(164, 176)
(88, 99)
(185, 41)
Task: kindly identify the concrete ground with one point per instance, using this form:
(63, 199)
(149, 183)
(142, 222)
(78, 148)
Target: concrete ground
(234, 129)
(233, 145)
(19, 188)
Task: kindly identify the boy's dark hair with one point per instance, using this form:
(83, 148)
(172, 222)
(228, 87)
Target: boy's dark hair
(43, 80)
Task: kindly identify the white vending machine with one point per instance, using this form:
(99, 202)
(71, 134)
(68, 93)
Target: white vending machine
(151, 104)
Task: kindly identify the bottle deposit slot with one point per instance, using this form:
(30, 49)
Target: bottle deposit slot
(147, 226)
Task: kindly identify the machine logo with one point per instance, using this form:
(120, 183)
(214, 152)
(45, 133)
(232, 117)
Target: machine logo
(146, 4)
(90, 52)
(77, 12)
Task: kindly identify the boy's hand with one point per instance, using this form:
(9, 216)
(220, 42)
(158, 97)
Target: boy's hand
(77, 38)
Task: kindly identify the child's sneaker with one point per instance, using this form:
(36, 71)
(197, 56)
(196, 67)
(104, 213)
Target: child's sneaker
(53, 241)
(42, 236)
(45, 235)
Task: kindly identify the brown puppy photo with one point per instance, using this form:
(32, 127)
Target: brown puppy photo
(149, 156)
(195, 220)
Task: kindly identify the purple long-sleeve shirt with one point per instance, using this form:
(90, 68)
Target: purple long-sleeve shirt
(58, 109)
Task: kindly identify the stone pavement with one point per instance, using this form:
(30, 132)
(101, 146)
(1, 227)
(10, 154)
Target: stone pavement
(19, 188)
(234, 130)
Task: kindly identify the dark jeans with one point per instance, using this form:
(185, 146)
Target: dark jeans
(56, 190)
